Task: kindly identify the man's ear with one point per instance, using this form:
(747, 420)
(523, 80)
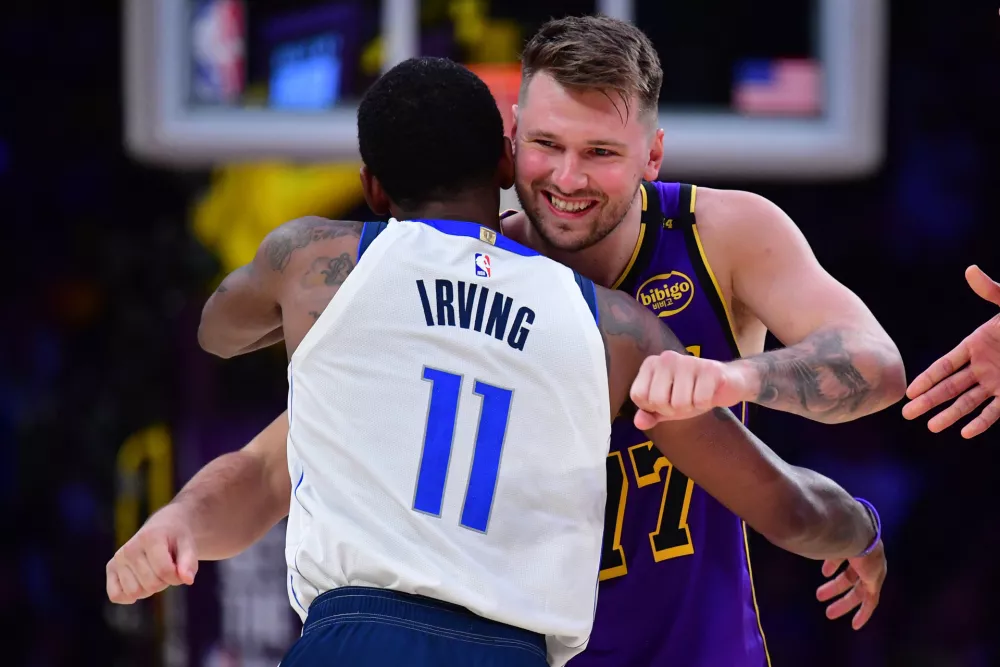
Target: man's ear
(505, 169)
(375, 196)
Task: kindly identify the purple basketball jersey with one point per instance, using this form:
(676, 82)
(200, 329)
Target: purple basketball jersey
(675, 583)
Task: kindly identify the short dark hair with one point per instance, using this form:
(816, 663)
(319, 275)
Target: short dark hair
(429, 128)
(596, 52)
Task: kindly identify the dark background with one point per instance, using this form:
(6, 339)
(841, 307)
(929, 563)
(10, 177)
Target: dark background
(104, 283)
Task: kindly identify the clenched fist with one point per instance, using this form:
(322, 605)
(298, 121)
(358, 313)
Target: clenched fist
(161, 554)
(674, 386)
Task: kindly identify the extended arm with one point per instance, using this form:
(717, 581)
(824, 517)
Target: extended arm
(797, 509)
(839, 363)
(236, 498)
(230, 504)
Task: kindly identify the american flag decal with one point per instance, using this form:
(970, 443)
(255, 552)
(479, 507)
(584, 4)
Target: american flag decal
(788, 87)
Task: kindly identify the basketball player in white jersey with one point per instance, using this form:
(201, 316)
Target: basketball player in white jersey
(450, 401)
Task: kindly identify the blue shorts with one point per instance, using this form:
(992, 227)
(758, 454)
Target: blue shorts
(373, 627)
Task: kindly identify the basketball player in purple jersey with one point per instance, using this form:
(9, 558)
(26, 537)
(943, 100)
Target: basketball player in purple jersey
(721, 267)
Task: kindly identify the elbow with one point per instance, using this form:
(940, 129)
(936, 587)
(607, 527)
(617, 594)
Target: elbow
(881, 365)
(889, 382)
(211, 343)
(893, 380)
(210, 346)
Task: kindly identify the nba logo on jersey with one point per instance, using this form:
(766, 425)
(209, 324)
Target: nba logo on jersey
(483, 265)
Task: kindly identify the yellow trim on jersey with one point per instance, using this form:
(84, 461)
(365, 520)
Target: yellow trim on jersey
(638, 243)
(715, 281)
(635, 254)
(753, 592)
(694, 197)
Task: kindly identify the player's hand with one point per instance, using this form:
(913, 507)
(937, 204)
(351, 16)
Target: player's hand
(974, 383)
(859, 584)
(161, 554)
(672, 386)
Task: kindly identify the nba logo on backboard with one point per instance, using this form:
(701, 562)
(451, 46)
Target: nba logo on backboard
(483, 265)
(218, 47)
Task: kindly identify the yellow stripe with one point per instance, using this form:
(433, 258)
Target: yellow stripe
(638, 243)
(711, 274)
(732, 329)
(635, 254)
(753, 594)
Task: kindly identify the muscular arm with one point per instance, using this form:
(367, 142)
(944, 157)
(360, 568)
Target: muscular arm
(795, 508)
(235, 499)
(244, 314)
(839, 363)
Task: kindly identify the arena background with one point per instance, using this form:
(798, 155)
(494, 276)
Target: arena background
(147, 146)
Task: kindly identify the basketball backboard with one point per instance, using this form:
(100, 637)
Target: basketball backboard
(810, 108)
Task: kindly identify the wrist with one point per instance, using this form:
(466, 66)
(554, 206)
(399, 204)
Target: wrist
(747, 377)
(876, 525)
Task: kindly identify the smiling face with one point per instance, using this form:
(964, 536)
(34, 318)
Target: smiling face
(580, 154)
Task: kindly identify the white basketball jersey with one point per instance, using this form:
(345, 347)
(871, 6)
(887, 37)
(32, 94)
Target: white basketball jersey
(449, 427)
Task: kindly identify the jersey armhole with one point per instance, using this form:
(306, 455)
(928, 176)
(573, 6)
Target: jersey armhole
(589, 295)
(686, 199)
(368, 233)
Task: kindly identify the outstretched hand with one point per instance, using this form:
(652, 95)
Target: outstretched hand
(970, 372)
(860, 584)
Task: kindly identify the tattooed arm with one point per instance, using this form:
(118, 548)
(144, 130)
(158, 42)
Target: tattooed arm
(834, 375)
(796, 509)
(839, 363)
(297, 269)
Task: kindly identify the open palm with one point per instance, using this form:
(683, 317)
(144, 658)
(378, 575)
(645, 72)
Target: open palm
(971, 372)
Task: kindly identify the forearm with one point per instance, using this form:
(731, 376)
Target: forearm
(796, 509)
(833, 376)
(833, 524)
(231, 503)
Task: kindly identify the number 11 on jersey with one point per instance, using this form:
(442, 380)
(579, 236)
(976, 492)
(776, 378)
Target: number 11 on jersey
(442, 414)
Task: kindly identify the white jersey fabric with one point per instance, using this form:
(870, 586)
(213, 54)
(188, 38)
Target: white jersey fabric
(449, 427)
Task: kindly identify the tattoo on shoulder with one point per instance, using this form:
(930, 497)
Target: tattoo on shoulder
(621, 315)
(300, 233)
(222, 288)
(328, 271)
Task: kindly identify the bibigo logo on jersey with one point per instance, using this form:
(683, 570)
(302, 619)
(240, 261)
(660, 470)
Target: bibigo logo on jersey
(666, 294)
(483, 269)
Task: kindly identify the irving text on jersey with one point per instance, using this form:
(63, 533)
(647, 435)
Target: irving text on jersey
(471, 301)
